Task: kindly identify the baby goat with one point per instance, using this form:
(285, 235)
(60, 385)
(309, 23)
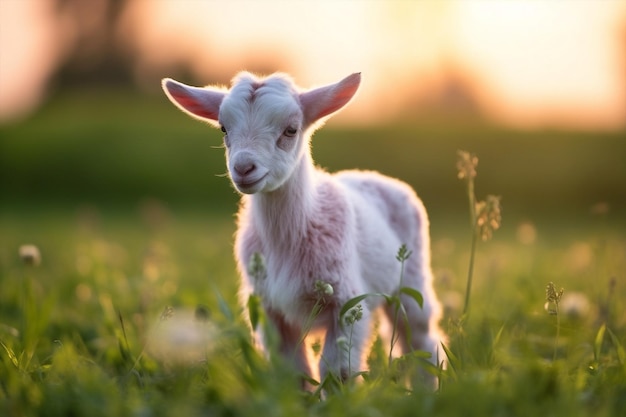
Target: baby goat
(310, 226)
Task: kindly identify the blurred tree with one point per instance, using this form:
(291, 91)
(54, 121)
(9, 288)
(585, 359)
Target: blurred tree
(94, 53)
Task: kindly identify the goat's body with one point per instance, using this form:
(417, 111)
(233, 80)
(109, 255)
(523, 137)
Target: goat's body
(348, 238)
(311, 226)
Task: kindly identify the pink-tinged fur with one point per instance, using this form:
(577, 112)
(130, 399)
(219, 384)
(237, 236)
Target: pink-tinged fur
(343, 229)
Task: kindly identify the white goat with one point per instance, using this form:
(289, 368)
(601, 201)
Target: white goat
(343, 229)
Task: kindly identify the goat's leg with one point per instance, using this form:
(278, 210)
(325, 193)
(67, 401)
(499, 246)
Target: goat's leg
(344, 347)
(414, 331)
(291, 346)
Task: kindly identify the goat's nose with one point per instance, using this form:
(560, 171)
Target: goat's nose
(244, 168)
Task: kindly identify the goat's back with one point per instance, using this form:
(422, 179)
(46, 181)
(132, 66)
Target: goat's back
(388, 215)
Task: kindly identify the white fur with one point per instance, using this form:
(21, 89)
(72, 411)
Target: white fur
(343, 229)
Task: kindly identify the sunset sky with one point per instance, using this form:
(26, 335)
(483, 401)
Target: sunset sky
(528, 64)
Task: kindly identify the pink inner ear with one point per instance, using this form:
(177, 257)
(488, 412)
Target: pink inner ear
(324, 101)
(194, 105)
(199, 102)
(340, 99)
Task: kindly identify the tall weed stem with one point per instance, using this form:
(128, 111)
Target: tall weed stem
(402, 256)
(554, 297)
(470, 273)
(485, 215)
(470, 270)
(466, 166)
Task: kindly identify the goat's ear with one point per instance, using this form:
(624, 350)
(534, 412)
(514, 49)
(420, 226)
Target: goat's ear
(201, 103)
(323, 101)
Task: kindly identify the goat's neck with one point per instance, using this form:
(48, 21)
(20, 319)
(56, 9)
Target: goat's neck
(283, 213)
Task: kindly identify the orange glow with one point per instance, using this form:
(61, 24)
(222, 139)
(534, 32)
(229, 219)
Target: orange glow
(523, 63)
(541, 63)
(29, 50)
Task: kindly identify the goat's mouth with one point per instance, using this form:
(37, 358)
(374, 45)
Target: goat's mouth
(249, 185)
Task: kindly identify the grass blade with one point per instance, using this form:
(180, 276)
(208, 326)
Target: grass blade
(621, 353)
(11, 355)
(453, 361)
(254, 310)
(224, 307)
(414, 294)
(350, 304)
(597, 344)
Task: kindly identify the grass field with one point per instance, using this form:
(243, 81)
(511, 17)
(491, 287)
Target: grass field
(132, 309)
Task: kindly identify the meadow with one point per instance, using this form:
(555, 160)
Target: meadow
(132, 310)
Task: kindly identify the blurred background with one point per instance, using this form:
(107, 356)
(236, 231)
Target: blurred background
(536, 89)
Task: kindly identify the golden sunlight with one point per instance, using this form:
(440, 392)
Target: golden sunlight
(521, 63)
(540, 63)
(29, 50)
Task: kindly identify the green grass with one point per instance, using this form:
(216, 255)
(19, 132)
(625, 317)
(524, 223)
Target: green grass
(119, 193)
(80, 332)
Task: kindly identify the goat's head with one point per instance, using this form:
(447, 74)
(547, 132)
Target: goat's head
(266, 122)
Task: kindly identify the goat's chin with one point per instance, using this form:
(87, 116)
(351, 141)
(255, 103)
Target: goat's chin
(246, 189)
(247, 185)
(251, 188)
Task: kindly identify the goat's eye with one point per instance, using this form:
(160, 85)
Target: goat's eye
(290, 132)
(223, 129)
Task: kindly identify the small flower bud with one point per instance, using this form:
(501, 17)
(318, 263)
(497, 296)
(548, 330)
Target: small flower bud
(323, 288)
(168, 313)
(488, 216)
(552, 295)
(256, 266)
(30, 255)
(355, 314)
(342, 341)
(466, 165)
